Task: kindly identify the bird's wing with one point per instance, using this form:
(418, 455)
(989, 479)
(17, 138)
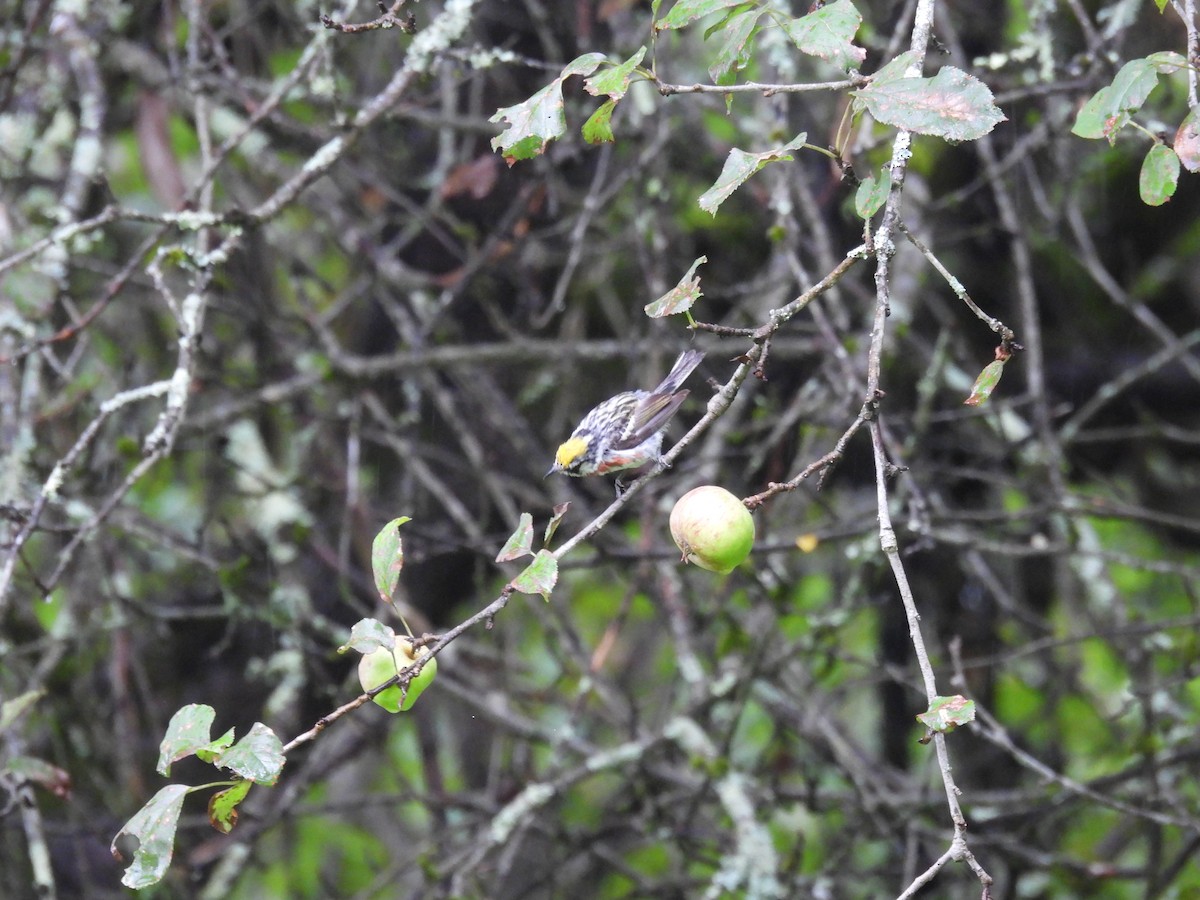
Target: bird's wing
(649, 416)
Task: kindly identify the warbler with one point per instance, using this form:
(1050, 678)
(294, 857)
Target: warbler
(625, 431)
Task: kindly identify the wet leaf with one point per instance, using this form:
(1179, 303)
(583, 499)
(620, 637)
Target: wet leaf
(686, 11)
(539, 576)
(368, 635)
(188, 735)
(520, 542)
(828, 33)
(1187, 140)
(739, 166)
(951, 105)
(552, 526)
(947, 713)
(613, 82)
(986, 382)
(1159, 176)
(733, 55)
(257, 757)
(1110, 108)
(540, 119)
(681, 297)
(894, 70)
(873, 193)
(598, 128)
(387, 558)
(154, 826)
(222, 806)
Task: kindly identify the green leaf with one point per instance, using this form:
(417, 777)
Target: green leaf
(947, 713)
(734, 53)
(1133, 83)
(895, 70)
(539, 576)
(739, 166)
(257, 757)
(187, 734)
(1159, 176)
(1167, 62)
(582, 65)
(873, 193)
(828, 33)
(51, 607)
(222, 806)
(552, 526)
(11, 710)
(37, 771)
(212, 749)
(533, 124)
(154, 827)
(598, 128)
(526, 147)
(387, 558)
(1093, 121)
(369, 635)
(1187, 140)
(986, 382)
(540, 119)
(951, 105)
(1110, 108)
(613, 82)
(681, 297)
(686, 11)
(520, 542)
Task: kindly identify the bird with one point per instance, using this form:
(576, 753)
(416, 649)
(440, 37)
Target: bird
(625, 431)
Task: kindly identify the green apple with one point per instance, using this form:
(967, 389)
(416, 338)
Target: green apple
(379, 665)
(712, 528)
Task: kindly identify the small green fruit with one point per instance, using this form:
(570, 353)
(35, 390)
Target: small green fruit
(379, 665)
(712, 528)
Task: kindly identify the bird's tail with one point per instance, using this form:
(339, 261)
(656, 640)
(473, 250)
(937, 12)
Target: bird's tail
(655, 409)
(684, 366)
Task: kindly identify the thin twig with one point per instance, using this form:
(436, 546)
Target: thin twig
(753, 87)
(992, 322)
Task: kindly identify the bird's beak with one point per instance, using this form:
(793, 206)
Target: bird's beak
(554, 468)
